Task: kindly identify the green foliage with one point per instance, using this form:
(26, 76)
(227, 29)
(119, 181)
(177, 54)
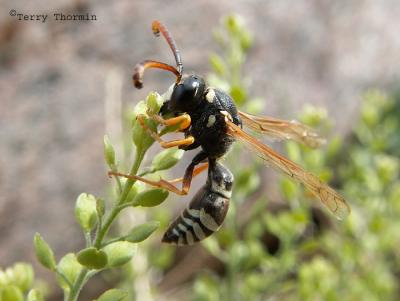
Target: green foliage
(68, 271)
(92, 258)
(166, 159)
(35, 295)
(109, 153)
(235, 40)
(113, 295)
(103, 253)
(142, 232)
(86, 211)
(18, 281)
(296, 251)
(119, 253)
(44, 253)
(354, 259)
(150, 198)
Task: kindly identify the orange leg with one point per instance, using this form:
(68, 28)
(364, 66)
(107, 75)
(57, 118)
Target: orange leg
(186, 180)
(197, 171)
(160, 183)
(183, 119)
(168, 185)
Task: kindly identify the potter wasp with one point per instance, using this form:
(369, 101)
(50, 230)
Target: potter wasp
(210, 121)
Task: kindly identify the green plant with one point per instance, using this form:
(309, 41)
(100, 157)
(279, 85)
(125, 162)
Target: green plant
(101, 252)
(313, 257)
(17, 284)
(316, 256)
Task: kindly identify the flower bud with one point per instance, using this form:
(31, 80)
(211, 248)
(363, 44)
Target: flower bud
(154, 102)
(35, 295)
(44, 253)
(119, 253)
(100, 207)
(167, 158)
(141, 232)
(86, 211)
(11, 293)
(140, 137)
(109, 153)
(150, 198)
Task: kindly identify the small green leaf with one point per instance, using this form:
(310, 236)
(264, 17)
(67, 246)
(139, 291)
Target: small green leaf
(92, 258)
(150, 198)
(293, 151)
(246, 40)
(234, 24)
(142, 231)
(238, 93)
(217, 63)
(289, 188)
(132, 193)
(119, 253)
(140, 137)
(100, 207)
(86, 211)
(35, 295)
(44, 253)
(313, 116)
(11, 293)
(3, 278)
(154, 102)
(167, 158)
(22, 276)
(70, 268)
(113, 295)
(109, 153)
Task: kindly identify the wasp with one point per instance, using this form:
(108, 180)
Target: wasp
(209, 120)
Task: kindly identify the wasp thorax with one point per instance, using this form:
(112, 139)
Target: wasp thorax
(187, 94)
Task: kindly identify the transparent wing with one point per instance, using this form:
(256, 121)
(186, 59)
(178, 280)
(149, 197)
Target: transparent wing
(282, 129)
(329, 197)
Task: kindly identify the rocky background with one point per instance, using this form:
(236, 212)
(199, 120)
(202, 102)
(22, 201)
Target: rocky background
(58, 78)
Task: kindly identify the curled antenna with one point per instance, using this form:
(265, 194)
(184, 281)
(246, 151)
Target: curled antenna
(158, 27)
(139, 69)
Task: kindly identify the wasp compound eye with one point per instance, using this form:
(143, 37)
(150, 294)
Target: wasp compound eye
(188, 94)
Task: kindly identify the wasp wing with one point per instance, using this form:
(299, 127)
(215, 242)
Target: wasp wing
(329, 197)
(282, 129)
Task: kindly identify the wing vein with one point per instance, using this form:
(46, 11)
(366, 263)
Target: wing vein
(328, 196)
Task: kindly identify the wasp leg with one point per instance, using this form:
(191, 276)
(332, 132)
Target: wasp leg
(196, 171)
(176, 120)
(183, 120)
(160, 183)
(168, 185)
(181, 142)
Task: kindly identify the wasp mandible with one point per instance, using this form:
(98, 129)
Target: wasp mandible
(210, 121)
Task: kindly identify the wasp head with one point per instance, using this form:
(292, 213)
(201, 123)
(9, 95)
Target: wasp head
(186, 95)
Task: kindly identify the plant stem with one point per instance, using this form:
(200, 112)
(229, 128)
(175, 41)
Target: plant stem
(79, 282)
(84, 275)
(129, 183)
(116, 208)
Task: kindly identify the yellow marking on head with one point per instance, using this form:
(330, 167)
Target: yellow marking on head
(210, 95)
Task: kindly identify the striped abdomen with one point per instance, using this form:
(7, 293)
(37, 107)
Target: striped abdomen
(207, 210)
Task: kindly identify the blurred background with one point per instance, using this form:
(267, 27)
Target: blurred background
(332, 64)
